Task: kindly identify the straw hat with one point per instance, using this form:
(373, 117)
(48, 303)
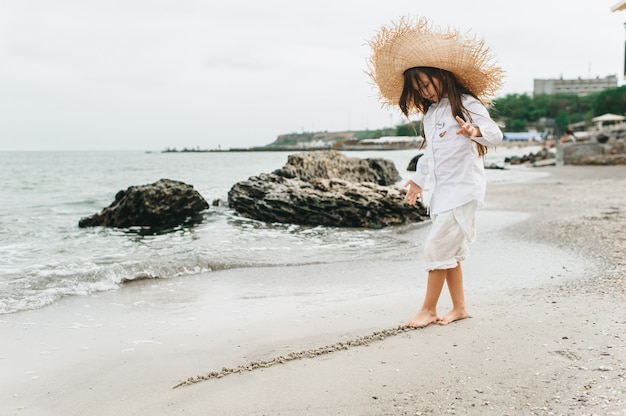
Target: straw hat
(409, 43)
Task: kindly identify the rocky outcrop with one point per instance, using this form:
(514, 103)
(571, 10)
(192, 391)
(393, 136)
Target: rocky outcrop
(606, 147)
(602, 160)
(165, 203)
(531, 158)
(331, 164)
(568, 153)
(326, 188)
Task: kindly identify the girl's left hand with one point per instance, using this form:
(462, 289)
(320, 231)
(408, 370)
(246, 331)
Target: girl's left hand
(468, 130)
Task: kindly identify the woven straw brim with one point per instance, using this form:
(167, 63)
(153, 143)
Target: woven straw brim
(406, 44)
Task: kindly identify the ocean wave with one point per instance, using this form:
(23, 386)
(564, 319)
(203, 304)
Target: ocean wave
(41, 287)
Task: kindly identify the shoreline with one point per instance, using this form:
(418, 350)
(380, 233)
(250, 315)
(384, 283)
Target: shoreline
(347, 148)
(557, 346)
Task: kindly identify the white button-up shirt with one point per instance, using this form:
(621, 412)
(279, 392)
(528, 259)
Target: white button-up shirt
(451, 170)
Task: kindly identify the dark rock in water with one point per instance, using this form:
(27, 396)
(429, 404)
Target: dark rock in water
(413, 163)
(165, 203)
(334, 190)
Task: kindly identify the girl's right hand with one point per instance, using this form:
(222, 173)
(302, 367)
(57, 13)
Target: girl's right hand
(414, 192)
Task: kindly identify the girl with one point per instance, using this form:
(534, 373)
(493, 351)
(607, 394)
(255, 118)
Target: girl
(442, 76)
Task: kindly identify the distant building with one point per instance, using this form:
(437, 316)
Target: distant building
(578, 86)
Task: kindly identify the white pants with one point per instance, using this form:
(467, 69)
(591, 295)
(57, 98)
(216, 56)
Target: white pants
(449, 238)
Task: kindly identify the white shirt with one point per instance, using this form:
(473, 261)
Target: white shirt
(451, 169)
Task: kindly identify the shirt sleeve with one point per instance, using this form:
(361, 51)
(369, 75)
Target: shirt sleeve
(491, 135)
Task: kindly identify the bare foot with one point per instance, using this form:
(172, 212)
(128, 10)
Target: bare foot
(422, 319)
(454, 315)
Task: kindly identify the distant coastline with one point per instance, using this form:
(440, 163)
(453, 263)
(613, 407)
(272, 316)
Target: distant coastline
(292, 149)
(401, 137)
(345, 146)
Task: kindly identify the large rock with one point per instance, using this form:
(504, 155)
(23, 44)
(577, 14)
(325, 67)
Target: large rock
(334, 190)
(569, 153)
(165, 203)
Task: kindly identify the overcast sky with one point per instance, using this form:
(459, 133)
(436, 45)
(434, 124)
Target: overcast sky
(151, 74)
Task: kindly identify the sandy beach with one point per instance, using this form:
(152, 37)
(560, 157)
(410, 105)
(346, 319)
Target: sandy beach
(546, 336)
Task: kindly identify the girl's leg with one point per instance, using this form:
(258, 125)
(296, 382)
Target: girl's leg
(428, 314)
(454, 280)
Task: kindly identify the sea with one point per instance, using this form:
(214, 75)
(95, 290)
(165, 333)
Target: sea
(45, 256)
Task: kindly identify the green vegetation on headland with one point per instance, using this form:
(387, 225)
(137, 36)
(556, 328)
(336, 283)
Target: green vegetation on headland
(552, 114)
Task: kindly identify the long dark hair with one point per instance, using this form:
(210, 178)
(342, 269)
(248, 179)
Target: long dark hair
(411, 98)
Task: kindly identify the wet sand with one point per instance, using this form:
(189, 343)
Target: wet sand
(545, 286)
